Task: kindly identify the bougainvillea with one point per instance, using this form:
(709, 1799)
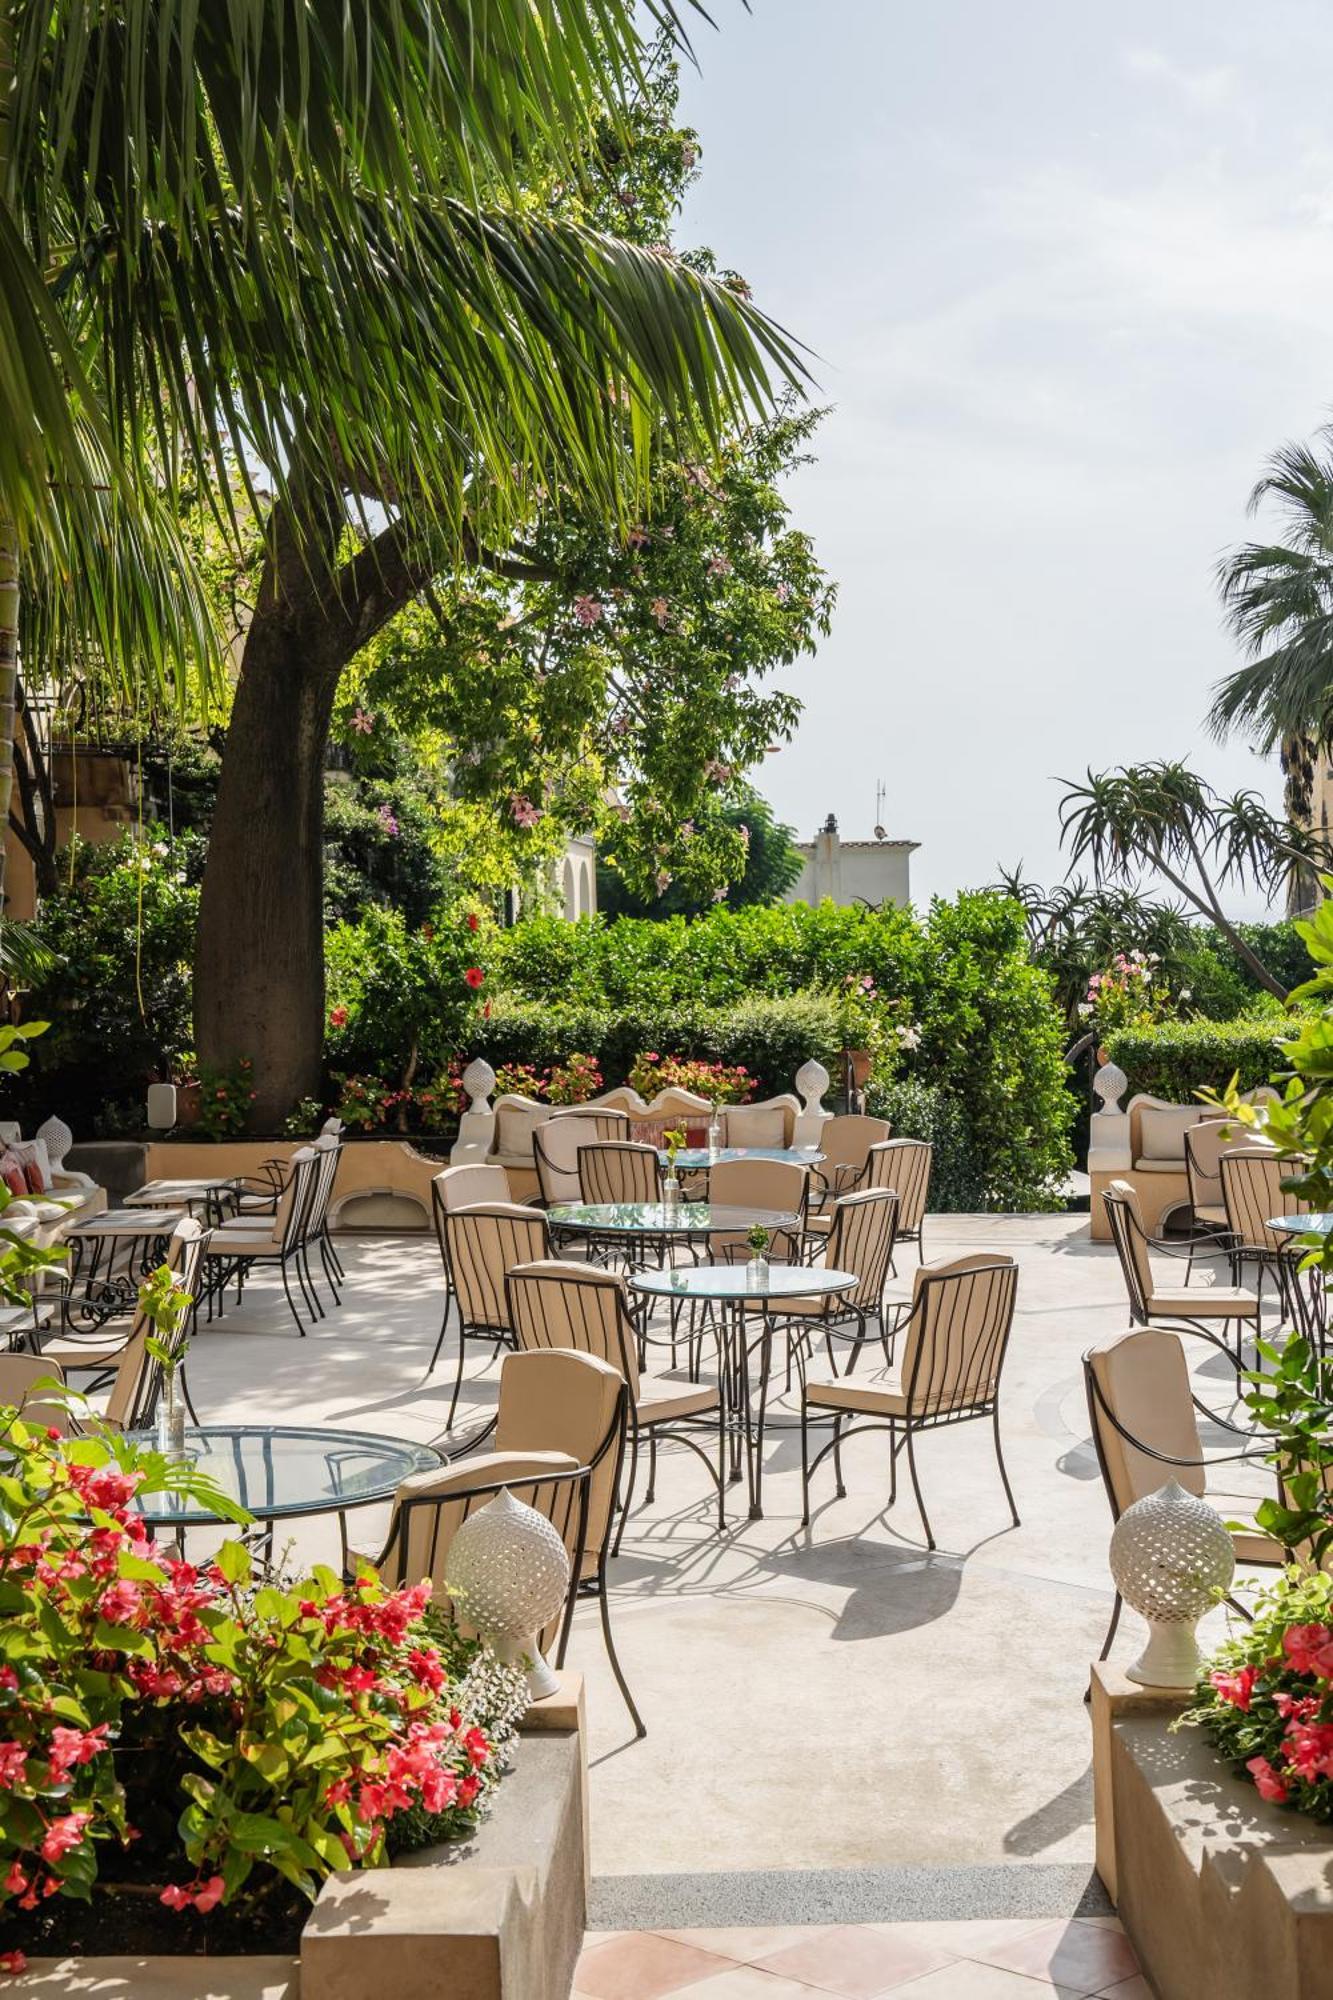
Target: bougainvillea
(720, 1083)
(280, 1728)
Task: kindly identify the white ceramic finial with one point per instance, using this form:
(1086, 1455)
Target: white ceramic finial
(508, 1572)
(1171, 1557)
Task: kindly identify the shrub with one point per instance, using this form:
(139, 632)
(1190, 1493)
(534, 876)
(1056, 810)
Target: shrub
(715, 1081)
(401, 996)
(572, 1082)
(204, 1738)
(919, 1111)
(1178, 1059)
(119, 996)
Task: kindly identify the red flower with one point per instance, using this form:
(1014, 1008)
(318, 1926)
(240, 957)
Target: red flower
(474, 977)
(1266, 1780)
(473, 920)
(1235, 1689)
(1309, 1649)
(13, 1962)
(63, 1834)
(337, 1017)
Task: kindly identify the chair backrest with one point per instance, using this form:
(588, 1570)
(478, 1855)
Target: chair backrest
(561, 1304)
(1252, 1178)
(464, 1187)
(903, 1165)
(611, 1170)
(328, 1155)
(555, 1399)
(757, 1124)
(1124, 1219)
(774, 1185)
(334, 1125)
(1203, 1147)
(20, 1377)
(845, 1141)
(556, 1142)
(957, 1334)
(1140, 1381)
(289, 1217)
(430, 1508)
(137, 1386)
(481, 1245)
(860, 1239)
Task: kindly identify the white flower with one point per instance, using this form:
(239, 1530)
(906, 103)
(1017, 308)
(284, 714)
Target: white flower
(909, 1037)
(1085, 1008)
(1187, 993)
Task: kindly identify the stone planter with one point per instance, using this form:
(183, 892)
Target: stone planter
(498, 1917)
(1224, 1896)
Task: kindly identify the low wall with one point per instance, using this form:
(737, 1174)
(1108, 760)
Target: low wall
(497, 1917)
(1224, 1896)
(382, 1183)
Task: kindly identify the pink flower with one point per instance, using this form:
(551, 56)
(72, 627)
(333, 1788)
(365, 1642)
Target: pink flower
(522, 811)
(119, 1604)
(587, 610)
(385, 815)
(13, 1765)
(1309, 1649)
(76, 1746)
(782, 592)
(661, 611)
(209, 1896)
(663, 881)
(1308, 1748)
(63, 1834)
(719, 566)
(1266, 1780)
(362, 722)
(1236, 1689)
(720, 895)
(15, 1881)
(9, 1680)
(337, 1017)
(104, 1486)
(175, 1897)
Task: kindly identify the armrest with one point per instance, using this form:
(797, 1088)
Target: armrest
(69, 1177)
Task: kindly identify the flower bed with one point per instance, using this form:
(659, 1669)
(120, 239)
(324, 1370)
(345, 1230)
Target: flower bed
(186, 1753)
(1266, 1700)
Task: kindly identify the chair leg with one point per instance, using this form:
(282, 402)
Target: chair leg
(287, 1288)
(604, 1607)
(1109, 1640)
(1004, 1476)
(916, 1488)
(651, 1493)
(837, 1455)
(805, 1464)
(628, 1494)
(458, 1377)
(326, 1240)
(444, 1324)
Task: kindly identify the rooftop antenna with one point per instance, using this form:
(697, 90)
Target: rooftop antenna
(881, 794)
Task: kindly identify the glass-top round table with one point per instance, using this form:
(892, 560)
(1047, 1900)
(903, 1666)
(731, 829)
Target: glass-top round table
(658, 1218)
(279, 1471)
(737, 1290)
(1301, 1225)
(695, 1159)
(1304, 1291)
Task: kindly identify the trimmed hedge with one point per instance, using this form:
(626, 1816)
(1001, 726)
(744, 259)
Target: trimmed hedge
(957, 1182)
(771, 1037)
(1180, 1058)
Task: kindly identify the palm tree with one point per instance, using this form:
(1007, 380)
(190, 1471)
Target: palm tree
(1279, 603)
(294, 241)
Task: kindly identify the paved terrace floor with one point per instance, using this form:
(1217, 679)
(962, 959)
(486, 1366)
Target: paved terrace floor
(822, 1700)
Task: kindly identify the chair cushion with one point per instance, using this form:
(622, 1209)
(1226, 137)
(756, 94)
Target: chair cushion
(241, 1243)
(756, 1125)
(1162, 1132)
(1148, 1165)
(660, 1400)
(514, 1127)
(90, 1353)
(1205, 1302)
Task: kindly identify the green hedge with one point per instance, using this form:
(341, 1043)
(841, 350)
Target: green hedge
(1180, 1058)
(957, 1181)
(771, 1037)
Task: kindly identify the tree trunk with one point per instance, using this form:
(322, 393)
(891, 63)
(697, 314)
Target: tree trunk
(259, 960)
(1298, 770)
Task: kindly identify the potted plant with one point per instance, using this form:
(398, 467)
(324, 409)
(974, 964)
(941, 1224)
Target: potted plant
(165, 1304)
(674, 1142)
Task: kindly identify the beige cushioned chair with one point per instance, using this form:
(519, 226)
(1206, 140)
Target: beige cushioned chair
(1145, 1431)
(122, 1358)
(481, 1244)
(955, 1337)
(756, 1125)
(845, 1142)
(560, 1304)
(555, 1148)
(616, 1170)
(770, 1187)
(1203, 1308)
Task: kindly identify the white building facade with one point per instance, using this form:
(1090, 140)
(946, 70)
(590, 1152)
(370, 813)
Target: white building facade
(853, 871)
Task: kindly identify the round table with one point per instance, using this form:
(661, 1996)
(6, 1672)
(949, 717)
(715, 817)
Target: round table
(1308, 1300)
(697, 1159)
(281, 1471)
(735, 1289)
(660, 1218)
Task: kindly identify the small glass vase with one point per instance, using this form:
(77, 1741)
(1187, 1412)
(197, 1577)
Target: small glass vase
(756, 1273)
(714, 1137)
(171, 1417)
(671, 1192)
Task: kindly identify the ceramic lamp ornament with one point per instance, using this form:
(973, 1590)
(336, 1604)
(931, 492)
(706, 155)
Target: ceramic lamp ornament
(508, 1572)
(1171, 1557)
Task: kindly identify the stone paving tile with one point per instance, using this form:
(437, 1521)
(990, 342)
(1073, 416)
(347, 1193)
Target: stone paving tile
(969, 1979)
(1086, 1958)
(642, 1966)
(1136, 1988)
(856, 1961)
(747, 1982)
(745, 1943)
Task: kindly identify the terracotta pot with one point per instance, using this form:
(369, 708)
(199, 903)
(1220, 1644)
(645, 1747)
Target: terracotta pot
(188, 1100)
(860, 1062)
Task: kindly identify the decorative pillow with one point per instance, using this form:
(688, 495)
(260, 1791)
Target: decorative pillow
(32, 1174)
(756, 1125)
(32, 1153)
(1162, 1132)
(514, 1127)
(11, 1173)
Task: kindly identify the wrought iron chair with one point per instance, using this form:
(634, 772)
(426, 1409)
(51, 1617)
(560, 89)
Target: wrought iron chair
(481, 1245)
(555, 1148)
(613, 1170)
(1228, 1306)
(845, 1142)
(123, 1360)
(955, 1341)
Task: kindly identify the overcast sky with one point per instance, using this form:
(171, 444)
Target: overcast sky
(1069, 275)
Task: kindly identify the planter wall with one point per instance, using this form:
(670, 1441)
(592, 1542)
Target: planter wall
(382, 1183)
(498, 1917)
(1224, 1896)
